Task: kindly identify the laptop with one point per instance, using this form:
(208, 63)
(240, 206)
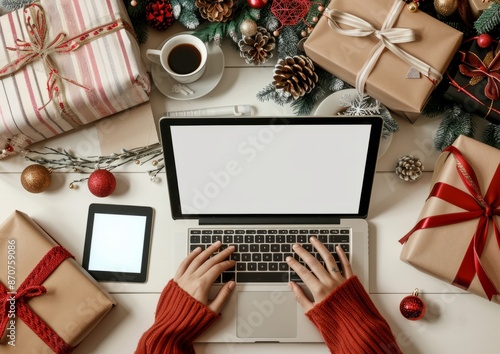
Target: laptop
(262, 184)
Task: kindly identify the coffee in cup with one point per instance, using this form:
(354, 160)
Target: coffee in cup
(183, 57)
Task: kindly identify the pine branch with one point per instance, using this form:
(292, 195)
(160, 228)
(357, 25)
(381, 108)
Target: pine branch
(287, 42)
(304, 105)
(270, 93)
(455, 122)
(491, 135)
(12, 5)
(489, 19)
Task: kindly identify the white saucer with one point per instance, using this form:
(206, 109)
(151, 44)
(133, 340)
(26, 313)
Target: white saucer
(330, 107)
(202, 86)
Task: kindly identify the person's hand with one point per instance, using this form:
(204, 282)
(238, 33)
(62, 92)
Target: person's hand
(198, 271)
(323, 281)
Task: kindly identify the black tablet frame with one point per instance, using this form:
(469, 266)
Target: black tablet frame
(115, 209)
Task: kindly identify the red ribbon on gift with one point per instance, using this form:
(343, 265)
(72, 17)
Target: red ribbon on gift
(39, 47)
(478, 207)
(32, 287)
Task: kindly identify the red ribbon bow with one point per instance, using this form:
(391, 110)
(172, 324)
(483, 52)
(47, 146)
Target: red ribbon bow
(31, 287)
(478, 207)
(488, 68)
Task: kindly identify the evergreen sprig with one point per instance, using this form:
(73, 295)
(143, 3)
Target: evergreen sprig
(269, 93)
(455, 122)
(12, 5)
(137, 15)
(491, 135)
(186, 13)
(489, 20)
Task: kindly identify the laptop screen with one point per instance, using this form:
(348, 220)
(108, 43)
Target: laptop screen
(270, 166)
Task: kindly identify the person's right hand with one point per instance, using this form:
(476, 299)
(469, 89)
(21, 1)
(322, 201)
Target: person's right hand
(198, 271)
(323, 281)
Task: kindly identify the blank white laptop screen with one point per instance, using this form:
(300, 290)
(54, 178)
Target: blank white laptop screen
(270, 169)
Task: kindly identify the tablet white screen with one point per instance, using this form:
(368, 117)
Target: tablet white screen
(117, 243)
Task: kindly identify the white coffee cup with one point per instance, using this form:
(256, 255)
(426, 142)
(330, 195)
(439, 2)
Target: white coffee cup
(183, 57)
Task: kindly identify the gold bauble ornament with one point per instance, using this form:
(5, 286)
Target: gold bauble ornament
(413, 7)
(248, 27)
(446, 7)
(35, 178)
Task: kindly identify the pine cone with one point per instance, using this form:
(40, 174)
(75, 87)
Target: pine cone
(257, 49)
(295, 75)
(409, 168)
(217, 10)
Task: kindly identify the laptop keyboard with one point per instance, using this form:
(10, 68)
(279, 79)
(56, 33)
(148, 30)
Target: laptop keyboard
(260, 253)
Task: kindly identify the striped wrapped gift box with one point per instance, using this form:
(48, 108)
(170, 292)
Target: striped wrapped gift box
(63, 64)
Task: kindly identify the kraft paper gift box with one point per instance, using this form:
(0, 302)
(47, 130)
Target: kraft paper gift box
(456, 236)
(57, 303)
(468, 83)
(478, 6)
(401, 74)
(63, 64)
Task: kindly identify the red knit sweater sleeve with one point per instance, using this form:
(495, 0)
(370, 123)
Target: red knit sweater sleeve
(179, 320)
(350, 323)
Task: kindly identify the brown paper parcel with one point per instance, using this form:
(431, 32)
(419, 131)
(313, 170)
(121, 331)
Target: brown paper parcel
(73, 303)
(344, 56)
(439, 251)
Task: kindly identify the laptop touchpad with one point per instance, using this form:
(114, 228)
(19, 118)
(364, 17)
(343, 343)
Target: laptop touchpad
(266, 314)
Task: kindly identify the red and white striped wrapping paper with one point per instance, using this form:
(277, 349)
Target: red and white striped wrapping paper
(103, 76)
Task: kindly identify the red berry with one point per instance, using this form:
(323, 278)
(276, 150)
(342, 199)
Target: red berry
(101, 183)
(484, 40)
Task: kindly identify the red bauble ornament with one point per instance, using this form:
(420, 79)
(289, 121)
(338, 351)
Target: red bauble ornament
(412, 307)
(257, 4)
(101, 183)
(159, 14)
(484, 40)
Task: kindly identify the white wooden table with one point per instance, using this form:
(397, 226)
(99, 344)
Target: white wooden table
(456, 322)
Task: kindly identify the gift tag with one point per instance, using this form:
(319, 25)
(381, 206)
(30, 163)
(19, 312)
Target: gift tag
(413, 73)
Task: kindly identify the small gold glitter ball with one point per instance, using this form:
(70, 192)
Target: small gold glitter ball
(413, 7)
(446, 7)
(35, 178)
(248, 27)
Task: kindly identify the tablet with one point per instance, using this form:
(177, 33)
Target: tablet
(117, 242)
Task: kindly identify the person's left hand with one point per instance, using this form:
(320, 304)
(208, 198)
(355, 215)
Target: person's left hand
(198, 271)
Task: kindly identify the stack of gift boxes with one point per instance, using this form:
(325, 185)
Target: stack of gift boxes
(63, 64)
(398, 57)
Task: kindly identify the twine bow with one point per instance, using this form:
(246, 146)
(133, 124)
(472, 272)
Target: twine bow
(17, 302)
(39, 47)
(476, 206)
(388, 38)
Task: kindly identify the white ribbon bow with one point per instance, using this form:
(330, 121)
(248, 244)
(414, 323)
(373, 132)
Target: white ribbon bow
(388, 37)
